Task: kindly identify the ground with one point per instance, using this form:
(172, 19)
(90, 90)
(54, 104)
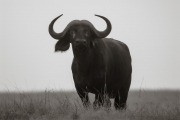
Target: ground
(141, 104)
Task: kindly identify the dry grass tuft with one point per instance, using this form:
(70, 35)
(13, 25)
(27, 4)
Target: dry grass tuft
(50, 105)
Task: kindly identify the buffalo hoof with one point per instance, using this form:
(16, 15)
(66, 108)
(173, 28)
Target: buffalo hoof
(121, 107)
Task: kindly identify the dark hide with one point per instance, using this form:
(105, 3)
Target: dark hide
(108, 63)
(101, 65)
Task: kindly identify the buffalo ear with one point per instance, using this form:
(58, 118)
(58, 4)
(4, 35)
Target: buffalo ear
(62, 45)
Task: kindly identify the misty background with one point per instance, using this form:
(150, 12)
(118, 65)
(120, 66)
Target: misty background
(151, 29)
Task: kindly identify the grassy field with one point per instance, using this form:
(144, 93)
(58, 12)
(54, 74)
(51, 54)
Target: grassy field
(50, 105)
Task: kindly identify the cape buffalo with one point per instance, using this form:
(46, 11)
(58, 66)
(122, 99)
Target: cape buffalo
(101, 66)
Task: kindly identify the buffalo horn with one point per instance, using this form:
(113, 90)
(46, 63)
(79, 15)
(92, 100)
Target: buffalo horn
(51, 30)
(102, 34)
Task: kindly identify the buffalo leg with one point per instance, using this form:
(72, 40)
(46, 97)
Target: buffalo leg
(98, 101)
(123, 96)
(120, 100)
(84, 97)
(117, 101)
(106, 101)
(101, 100)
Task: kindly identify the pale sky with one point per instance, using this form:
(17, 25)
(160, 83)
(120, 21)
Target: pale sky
(150, 28)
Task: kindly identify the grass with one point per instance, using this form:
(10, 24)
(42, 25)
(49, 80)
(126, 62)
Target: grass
(51, 105)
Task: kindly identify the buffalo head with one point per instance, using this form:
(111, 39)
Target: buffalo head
(80, 33)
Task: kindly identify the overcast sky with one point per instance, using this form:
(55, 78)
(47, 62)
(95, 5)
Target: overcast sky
(150, 28)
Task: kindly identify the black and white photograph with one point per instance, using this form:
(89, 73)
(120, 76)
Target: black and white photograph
(89, 60)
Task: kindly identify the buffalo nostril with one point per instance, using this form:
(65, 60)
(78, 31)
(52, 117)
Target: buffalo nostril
(77, 42)
(80, 42)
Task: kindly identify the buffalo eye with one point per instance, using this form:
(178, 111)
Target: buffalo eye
(72, 33)
(87, 33)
